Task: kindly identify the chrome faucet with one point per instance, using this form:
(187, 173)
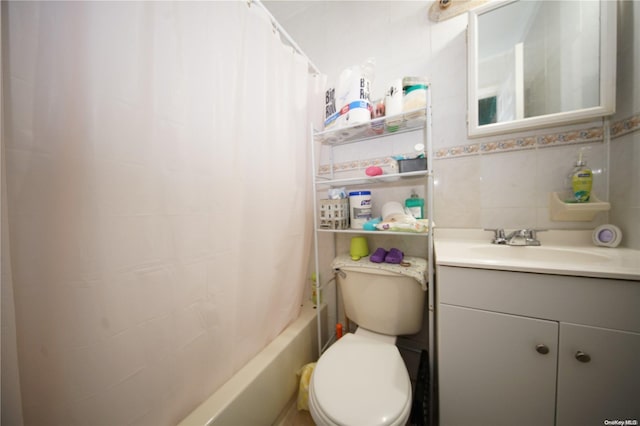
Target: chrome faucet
(520, 237)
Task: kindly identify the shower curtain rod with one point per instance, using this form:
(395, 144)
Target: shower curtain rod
(282, 31)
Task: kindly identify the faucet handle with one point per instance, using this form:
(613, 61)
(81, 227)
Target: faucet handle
(494, 229)
(498, 235)
(529, 235)
(533, 233)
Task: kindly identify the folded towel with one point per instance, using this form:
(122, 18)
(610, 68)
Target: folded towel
(416, 270)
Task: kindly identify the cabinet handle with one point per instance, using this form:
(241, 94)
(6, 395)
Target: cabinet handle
(582, 357)
(542, 349)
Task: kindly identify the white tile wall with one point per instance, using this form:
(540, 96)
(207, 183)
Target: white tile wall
(625, 187)
(625, 150)
(457, 198)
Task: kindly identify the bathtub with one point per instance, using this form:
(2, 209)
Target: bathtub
(264, 388)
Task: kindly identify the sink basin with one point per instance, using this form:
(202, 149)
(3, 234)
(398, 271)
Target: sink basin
(563, 252)
(538, 254)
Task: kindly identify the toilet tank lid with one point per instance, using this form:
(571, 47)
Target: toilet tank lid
(417, 268)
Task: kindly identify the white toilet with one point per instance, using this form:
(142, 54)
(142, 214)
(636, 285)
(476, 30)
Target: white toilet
(361, 379)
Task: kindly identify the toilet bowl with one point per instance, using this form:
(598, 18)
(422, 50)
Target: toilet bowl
(361, 380)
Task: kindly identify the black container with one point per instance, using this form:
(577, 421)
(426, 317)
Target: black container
(412, 165)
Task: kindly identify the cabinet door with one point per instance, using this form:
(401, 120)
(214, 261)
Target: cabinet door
(598, 375)
(491, 371)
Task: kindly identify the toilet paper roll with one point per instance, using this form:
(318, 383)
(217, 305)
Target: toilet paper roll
(607, 236)
(391, 208)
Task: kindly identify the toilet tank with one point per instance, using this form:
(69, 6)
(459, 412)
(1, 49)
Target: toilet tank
(382, 301)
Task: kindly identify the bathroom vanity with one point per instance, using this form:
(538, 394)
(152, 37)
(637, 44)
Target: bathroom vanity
(535, 335)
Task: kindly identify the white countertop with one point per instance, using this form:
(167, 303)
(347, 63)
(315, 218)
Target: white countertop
(561, 252)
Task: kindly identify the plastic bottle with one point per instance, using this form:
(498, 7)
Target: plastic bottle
(580, 180)
(338, 330)
(414, 91)
(393, 105)
(415, 205)
(314, 296)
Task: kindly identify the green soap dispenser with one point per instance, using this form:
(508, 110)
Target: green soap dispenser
(580, 180)
(415, 205)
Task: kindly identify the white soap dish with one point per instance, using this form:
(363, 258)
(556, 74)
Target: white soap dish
(575, 212)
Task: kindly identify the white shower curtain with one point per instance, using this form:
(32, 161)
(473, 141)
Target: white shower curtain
(158, 201)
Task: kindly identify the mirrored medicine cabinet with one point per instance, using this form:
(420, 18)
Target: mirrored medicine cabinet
(534, 64)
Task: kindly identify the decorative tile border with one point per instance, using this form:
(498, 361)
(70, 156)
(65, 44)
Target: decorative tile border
(590, 135)
(628, 125)
(387, 163)
(594, 134)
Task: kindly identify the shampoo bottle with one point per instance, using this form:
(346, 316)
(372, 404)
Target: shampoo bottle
(580, 180)
(415, 205)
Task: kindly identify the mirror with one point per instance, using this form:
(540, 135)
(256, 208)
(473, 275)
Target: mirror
(537, 64)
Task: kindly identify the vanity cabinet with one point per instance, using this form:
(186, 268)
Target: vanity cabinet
(598, 375)
(536, 349)
(488, 361)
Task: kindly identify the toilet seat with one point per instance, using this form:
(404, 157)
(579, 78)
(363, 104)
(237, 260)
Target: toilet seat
(360, 381)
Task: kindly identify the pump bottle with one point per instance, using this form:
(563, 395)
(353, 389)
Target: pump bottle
(579, 180)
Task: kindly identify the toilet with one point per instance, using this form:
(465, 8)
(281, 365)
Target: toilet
(361, 379)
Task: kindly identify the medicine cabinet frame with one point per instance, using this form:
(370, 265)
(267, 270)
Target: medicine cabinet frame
(607, 90)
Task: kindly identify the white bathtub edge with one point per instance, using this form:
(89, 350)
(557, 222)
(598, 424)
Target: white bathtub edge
(259, 391)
